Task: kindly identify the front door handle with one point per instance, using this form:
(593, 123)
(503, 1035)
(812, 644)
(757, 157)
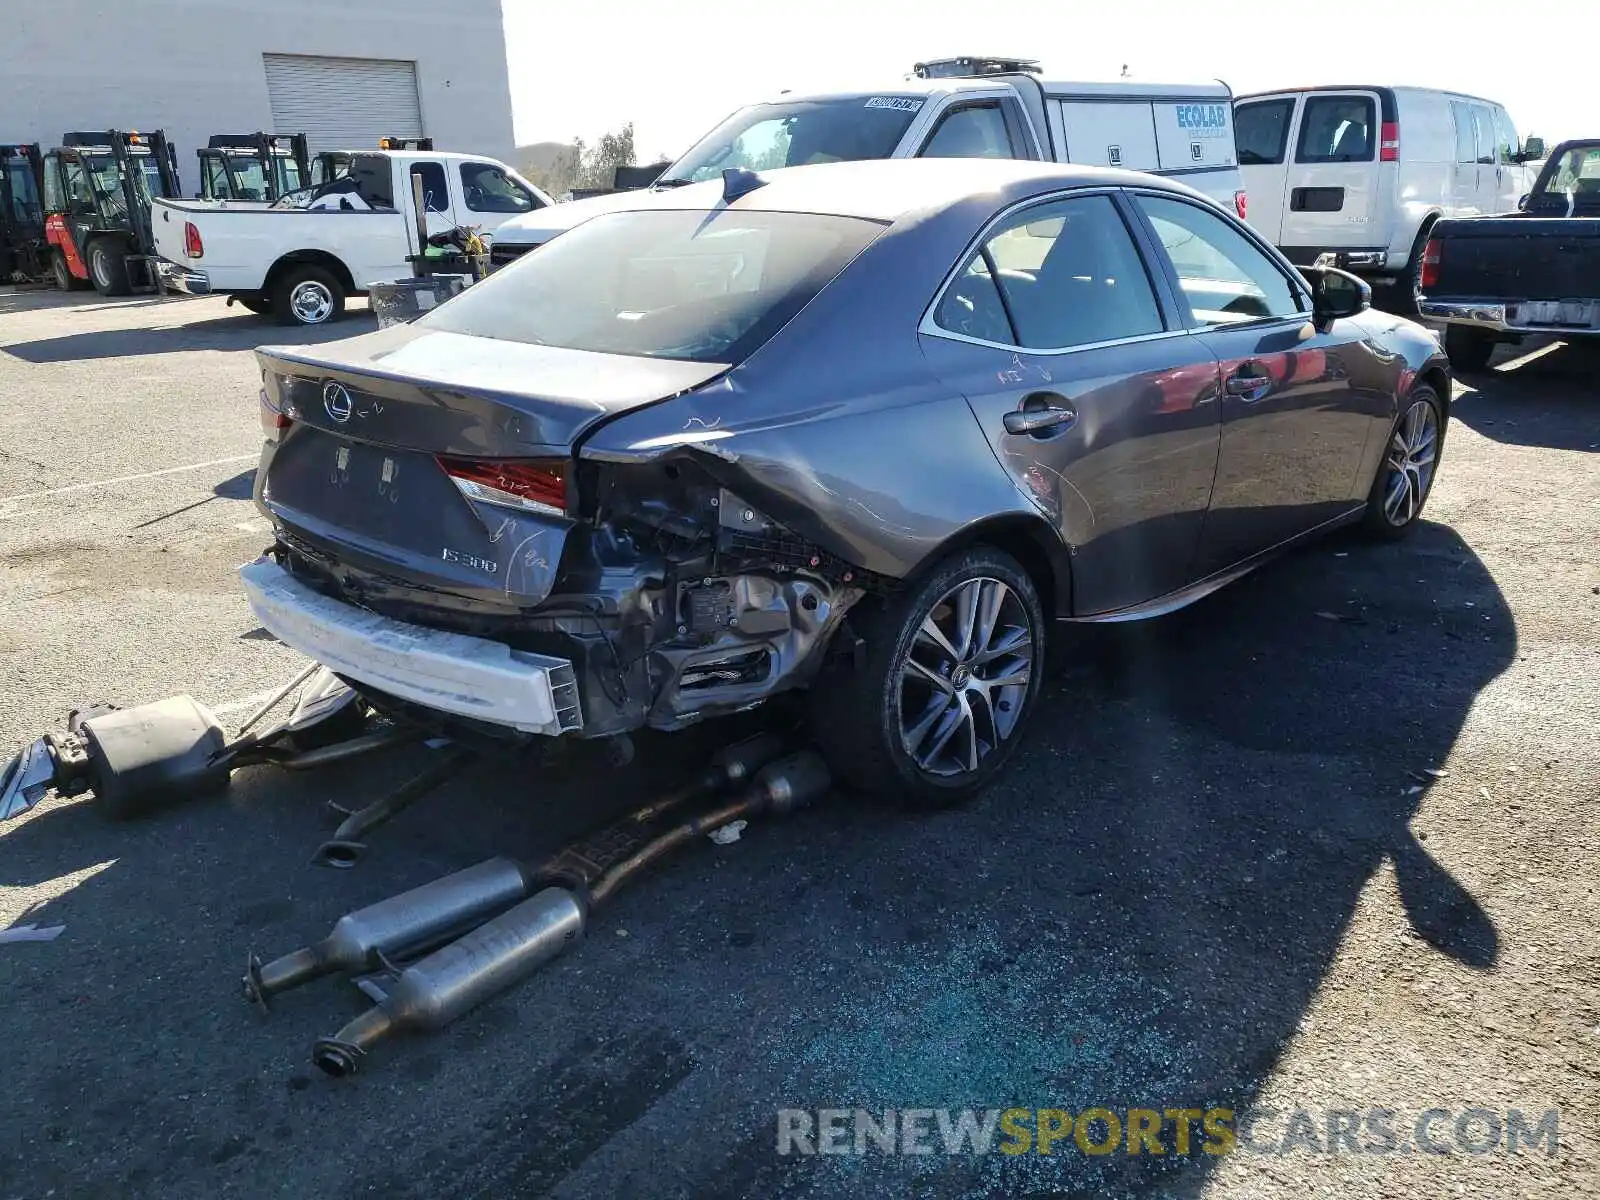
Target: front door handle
(1248, 387)
(1041, 413)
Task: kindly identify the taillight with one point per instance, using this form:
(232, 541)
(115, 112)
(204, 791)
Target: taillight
(1389, 142)
(192, 245)
(531, 484)
(1241, 205)
(273, 422)
(1431, 254)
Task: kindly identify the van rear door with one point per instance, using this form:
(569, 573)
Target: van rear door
(1261, 129)
(1331, 195)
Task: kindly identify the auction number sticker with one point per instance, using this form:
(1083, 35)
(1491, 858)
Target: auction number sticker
(898, 103)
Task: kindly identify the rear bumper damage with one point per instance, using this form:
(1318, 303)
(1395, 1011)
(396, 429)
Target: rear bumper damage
(448, 672)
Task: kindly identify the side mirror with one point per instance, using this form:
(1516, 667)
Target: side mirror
(1336, 294)
(1532, 149)
(1522, 202)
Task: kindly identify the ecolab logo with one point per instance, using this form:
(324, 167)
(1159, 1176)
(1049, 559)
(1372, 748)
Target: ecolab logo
(1203, 120)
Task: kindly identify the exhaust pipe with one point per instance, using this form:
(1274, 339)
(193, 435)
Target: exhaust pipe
(415, 920)
(457, 978)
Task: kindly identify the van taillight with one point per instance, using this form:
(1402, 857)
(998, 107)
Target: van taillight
(1431, 254)
(192, 245)
(1241, 205)
(1389, 142)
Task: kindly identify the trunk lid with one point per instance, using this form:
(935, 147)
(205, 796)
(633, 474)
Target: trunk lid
(356, 482)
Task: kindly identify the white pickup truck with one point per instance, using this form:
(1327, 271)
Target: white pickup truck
(297, 260)
(968, 107)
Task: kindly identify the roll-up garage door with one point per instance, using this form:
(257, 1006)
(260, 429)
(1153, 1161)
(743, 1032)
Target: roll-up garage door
(343, 103)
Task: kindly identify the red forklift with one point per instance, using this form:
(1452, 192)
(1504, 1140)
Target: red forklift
(254, 166)
(24, 255)
(97, 192)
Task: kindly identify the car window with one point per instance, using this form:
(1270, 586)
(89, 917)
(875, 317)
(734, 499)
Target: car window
(972, 131)
(1466, 135)
(489, 189)
(1505, 137)
(688, 284)
(1338, 129)
(1261, 131)
(373, 179)
(1226, 278)
(24, 199)
(217, 182)
(435, 191)
(1057, 276)
(1483, 135)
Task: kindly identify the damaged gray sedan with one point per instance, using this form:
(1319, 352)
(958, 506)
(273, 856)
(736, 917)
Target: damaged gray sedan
(865, 428)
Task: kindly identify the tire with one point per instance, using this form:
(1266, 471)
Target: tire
(1407, 290)
(256, 302)
(108, 268)
(61, 273)
(1409, 467)
(1468, 348)
(856, 703)
(307, 295)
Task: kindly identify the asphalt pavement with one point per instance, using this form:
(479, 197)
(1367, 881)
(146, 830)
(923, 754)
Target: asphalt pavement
(1323, 843)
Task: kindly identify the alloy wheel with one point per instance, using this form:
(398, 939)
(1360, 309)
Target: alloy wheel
(311, 302)
(1413, 451)
(964, 680)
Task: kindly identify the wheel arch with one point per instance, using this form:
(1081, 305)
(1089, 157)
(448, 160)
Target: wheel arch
(308, 257)
(1031, 540)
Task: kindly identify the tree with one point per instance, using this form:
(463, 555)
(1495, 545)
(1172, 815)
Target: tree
(558, 169)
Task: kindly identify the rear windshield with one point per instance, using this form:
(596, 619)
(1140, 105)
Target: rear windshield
(683, 284)
(764, 137)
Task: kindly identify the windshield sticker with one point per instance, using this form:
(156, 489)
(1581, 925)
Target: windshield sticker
(898, 103)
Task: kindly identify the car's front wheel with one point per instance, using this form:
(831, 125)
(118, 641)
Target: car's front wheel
(1410, 462)
(950, 670)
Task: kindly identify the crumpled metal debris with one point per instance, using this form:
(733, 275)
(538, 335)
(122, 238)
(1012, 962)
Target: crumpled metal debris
(729, 833)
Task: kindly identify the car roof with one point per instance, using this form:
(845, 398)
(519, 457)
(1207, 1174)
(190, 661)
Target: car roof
(953, 84)
(893, 188)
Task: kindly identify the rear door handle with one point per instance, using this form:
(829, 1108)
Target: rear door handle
(1039, 420)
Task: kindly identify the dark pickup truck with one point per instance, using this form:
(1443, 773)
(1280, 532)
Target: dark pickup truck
(1535, 271)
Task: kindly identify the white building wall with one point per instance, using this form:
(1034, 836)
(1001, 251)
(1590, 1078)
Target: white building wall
(194, 67)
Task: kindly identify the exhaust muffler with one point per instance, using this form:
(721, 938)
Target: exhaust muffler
(456, 978)
(412, 921)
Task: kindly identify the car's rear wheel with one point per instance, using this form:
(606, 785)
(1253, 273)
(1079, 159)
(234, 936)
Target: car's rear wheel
(1410, 463)
(1468, 348)
(307, 295)
(934, 707)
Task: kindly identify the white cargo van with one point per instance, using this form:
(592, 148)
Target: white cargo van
(1364, 172)
(967, 107)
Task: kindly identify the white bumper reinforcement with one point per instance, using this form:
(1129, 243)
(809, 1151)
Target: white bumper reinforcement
(450, 672)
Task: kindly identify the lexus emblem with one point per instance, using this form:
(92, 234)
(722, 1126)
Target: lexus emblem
(337, 401)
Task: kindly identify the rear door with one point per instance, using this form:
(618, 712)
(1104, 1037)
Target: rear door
(1331, 201)
(1261, 132)
(1065, 345)
(441, 206)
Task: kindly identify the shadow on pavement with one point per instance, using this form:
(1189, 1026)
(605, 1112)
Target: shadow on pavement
(1137, 915)
(243, 332)
(1536, 395)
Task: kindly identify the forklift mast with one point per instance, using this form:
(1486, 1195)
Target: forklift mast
(266, 149)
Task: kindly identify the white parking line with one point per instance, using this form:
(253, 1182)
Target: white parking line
(80, 487)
